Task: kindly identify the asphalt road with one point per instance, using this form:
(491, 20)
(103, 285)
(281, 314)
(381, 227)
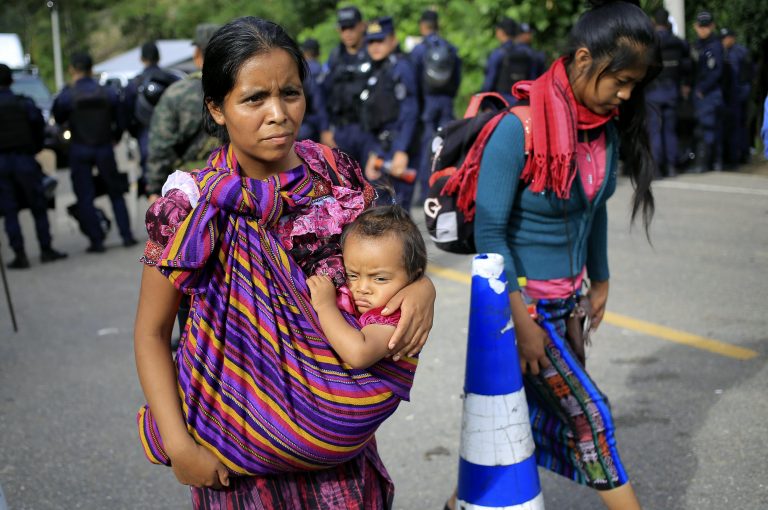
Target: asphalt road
(691, 417)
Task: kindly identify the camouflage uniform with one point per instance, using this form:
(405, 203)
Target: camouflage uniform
(177, 139)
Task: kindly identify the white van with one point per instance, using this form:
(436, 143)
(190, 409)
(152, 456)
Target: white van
(11, 51)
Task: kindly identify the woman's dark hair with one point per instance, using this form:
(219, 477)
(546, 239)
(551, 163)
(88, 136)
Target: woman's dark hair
(229, 48)
(392, 220)
(619, 35)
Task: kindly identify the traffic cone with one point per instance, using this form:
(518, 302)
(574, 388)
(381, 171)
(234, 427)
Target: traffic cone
(497, 466)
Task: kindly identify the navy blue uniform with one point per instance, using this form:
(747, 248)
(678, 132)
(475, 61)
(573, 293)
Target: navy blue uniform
(93, 114)
(662, 98)
(509, 63)
(316, 116)
(390, 117)
(21, 137)
(737, 88)
(346, 79)
(436, 101)
(708, 101)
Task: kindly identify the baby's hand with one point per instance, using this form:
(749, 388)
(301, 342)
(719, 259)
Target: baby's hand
(322, 290)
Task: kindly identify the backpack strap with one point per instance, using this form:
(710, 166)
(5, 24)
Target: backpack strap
(523, 112)
(477, 100)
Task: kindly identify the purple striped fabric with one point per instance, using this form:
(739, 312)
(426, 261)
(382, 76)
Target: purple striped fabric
(260, 385)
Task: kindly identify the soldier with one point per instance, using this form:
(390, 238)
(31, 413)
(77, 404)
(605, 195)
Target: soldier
(93, 115)
(437, 65)
(348, 70)
(736, 91)
(390, 114)
(315, 126)
(708, 96)
(141, 95)
(510, 62)
(21, 137)
(663, 95)
(177, 139)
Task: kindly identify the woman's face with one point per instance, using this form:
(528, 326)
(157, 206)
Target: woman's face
(263, 113)
(603, 93)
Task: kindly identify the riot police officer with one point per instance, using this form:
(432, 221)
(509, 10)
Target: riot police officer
(525, 37)
(663, 95)
(92, 112)
(736, 90)
(315, 126)
(348, 70)
(438, 72)
(708, 96)
(390, 115)
(21, 178)
(141, 95)
(510, 62)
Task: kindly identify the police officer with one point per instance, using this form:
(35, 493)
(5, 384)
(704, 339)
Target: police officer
(93, 115)
(525, 38)
(736, 91)
(315, 125)
(177, 139)
(390, 115)
(348, 70)
(663, 95)
(437, 65)
(707, 94)
(21, 137)
(509, 63)
(141, 95)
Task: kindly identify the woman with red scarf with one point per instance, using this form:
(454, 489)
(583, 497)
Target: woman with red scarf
(545, 212)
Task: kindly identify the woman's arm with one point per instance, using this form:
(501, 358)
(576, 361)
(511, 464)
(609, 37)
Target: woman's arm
(358, 348)
(416, 303)
(597, 266)
(158, 303)
(500, 168)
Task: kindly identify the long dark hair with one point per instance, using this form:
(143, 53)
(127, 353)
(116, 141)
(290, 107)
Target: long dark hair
(619, 35)
(229, 48)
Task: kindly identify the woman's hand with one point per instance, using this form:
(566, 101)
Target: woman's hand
(598, 296)
(416, 303)
(322, 290)
(197, 466)
(531, 342)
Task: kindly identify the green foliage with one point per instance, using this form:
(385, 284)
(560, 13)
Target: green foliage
(105, 27)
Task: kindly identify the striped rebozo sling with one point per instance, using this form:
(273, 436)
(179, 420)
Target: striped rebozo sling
(260, 386)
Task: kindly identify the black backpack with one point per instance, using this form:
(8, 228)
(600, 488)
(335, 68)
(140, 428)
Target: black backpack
(516, 65)
(148, 93)
(447, 226)
(439, 62)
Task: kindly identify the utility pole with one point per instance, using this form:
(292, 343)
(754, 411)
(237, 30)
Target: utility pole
(676, 9)
(57, 67)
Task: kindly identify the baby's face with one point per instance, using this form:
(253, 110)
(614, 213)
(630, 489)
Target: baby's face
(375, 270)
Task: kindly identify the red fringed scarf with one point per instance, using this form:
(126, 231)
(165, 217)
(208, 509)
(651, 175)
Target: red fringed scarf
(556, 117)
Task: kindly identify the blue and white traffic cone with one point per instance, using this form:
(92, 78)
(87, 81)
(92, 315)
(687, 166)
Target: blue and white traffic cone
(497, 466)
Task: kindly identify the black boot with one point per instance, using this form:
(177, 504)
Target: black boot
(50, 255)
(702, 162)
(20, 261)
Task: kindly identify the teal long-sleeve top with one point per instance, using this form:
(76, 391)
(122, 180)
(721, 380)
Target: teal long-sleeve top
(540, 236)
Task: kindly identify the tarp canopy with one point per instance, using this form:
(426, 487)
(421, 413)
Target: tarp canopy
(175, 53)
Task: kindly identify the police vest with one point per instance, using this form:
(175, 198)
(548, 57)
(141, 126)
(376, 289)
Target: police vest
(15, 129)
(515, 66)
(381, 98)
(346, 81)
(672, 55)
(91, 118)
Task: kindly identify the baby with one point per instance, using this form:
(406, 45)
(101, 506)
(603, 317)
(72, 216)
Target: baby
(383, 252)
